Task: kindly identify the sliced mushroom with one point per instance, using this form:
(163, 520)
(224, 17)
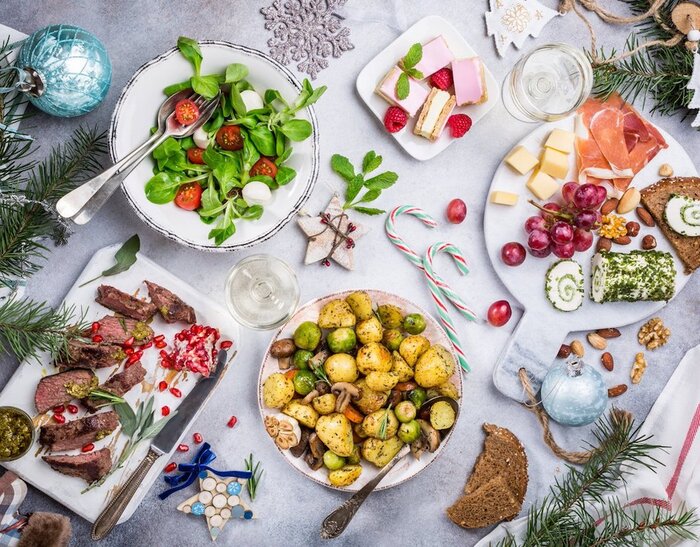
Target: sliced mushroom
(318, 359)
(417, 448)
(345, 392)
(322, 387)
(314, 457)
(298, 450)
(284, 362)
(313, 462)
(430, 434)
(310, 396)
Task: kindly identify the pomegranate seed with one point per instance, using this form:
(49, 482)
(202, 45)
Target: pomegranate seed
(161, 344)
(147, 345)
(226, 344)
(183, 448)
(129, 351)
(88, 447)
(214, 353)
(172, 466)
(164, 354)
(197, 438)
(163, 385)
(165, 410)
(95, 327)
(197, 329)
(59, 418)
(232, 421)
(73, 409)
(129, 342)
(97, 339)
(159, 338)
(180, 337)
(59, 409)
(176, 392)
(133, 358)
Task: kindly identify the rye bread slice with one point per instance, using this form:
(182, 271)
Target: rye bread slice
(654, 199)
(489, 504)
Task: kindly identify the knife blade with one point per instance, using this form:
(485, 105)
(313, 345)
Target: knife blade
(168, 437)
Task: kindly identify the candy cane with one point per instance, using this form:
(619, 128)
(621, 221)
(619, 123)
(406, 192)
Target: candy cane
(461, 263)
(397, 240)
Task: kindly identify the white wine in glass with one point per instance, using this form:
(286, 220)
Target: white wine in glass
(262, 292)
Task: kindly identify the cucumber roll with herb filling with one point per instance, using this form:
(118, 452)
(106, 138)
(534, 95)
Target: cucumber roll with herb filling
(632, 277)
(564, 285)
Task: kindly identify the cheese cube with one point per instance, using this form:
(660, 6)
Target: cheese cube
(554, 163)
(542, 185)
(561, 140)
(504, 198)
(521, 160)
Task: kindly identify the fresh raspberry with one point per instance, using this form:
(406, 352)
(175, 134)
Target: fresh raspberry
(442, 79)
(459, 125)
(395, 119)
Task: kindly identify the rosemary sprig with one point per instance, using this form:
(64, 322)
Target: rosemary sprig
(107, 397)
(253, 482)
(384, 423)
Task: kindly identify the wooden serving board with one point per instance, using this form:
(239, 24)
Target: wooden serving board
(20, 390)
(542, 328)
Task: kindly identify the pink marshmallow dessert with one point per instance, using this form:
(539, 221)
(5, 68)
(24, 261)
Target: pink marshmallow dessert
(469, 83)
(417, 94)
(436, 55)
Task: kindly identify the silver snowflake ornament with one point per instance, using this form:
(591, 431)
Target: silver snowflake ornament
(307, 32)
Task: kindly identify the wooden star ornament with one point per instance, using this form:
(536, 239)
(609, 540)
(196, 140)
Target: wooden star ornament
(332, 235)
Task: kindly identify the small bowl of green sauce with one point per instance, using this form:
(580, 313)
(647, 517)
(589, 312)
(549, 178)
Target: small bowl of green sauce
(16, 433)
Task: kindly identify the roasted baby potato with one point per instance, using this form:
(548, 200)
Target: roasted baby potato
(434, 367)
(324, 404)
(381, 452)
(372, 424)
(392, 339)
(278, 390)
(448, 389)
(442, 415)
(412, 347)
(304, 414)
(335, 431)
(336, 314)
(369, 330)
(345, 476)
(391, 316)
(341, 367)
(369, 400)
(381, 381)
(401, 367)
(361, 305)
(373, 357)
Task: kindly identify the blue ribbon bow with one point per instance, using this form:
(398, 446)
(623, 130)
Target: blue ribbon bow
(191, 471)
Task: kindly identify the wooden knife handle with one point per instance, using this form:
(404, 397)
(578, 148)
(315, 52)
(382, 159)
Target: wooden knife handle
(115, 509)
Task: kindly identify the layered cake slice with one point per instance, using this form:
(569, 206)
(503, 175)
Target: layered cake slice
(433, 116)
(417, 94)
(436, 55)
(469, 81)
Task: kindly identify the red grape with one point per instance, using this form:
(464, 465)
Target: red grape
(586, 197)
(544, 253)
(538, 240)
(561, 232)
(499, 313)
(567, 191)
(583, 239)
(554, 207)
(602, 194)
(513, 254)
(564, 251)
(456, 211)
(586, 219)
(535, 223)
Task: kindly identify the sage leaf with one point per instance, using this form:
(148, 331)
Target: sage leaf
(124, 258)
(126, 417)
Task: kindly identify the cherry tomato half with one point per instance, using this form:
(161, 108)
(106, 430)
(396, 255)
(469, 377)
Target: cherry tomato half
(189, 196)
(194, 155)
(264, 166)
(186, 112)
(229, 137)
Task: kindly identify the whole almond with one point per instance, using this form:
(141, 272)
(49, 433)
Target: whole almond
(648, 242)
(564, 351)
(629, 201)
(577, 348)
(632, 228)
(609, 206)
(617, 390)
(622, 240)
(604, 244)
(645, 217)
(607, 360)
(596, 340)
(608, 333)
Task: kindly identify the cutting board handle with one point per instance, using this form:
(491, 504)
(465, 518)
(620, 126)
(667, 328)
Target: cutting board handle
(533, 346)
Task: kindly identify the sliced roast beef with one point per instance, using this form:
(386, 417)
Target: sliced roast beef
(91, 466)
(91, 355)
(78, 433)
(117, 330)
(118, 384)
(61, 388)
(170, 305)
(121, 302)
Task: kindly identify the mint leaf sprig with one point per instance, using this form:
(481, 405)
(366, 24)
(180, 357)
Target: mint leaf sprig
(407, 65)
(357, 182)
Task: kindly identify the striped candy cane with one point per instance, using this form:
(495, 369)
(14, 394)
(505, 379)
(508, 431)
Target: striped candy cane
(397, 240)
(461, 263)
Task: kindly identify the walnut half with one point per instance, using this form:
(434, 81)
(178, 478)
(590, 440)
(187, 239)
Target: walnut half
(653, 334)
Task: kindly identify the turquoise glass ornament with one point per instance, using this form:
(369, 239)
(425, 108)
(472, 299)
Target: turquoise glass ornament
(67, 71)
(574, 393)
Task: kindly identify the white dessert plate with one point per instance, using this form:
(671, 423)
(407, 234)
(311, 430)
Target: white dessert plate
(542, 328)
(20, 390)
(423, 31)
(409, 466)
(135, 114)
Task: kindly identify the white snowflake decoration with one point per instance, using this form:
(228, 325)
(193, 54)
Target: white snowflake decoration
(512, 21)
(694, 86)
(306, 31)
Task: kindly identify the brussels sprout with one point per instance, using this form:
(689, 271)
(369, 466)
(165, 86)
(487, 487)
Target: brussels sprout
(409, 432)
(307, 336)
(405, 411)
(355, 457)
(392, 339)
(341, 340)
(304, 382)
(332, 461)
(390, 316)
(301, 359)
(414, 323)
(418, 396)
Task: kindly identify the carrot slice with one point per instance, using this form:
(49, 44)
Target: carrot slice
(352, 414)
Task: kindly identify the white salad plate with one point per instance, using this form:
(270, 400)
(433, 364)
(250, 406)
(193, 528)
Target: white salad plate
(423, 31)
(409, 466)
(20, 390)
(135, 115)
(542, 328)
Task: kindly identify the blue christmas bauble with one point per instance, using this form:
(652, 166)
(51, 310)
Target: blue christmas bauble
(68, 69)
(574, 393)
